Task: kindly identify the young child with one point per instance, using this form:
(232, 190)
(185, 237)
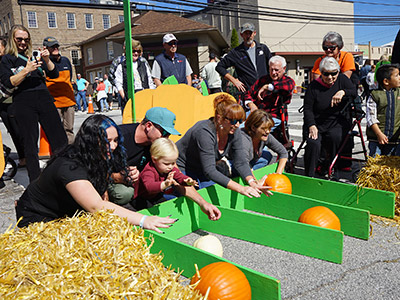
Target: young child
(383, 113)
(161, 175)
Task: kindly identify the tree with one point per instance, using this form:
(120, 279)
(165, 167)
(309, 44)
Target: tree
(234, 39)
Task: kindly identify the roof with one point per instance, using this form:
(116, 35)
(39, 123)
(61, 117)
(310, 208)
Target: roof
(154, 23)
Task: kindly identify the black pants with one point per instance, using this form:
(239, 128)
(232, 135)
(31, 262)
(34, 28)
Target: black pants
(31, 108)
(332, 139)
(7, 113)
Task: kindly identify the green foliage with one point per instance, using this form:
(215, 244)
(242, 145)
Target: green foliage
(234, 39)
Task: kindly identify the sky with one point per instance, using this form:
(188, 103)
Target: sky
(378, 35)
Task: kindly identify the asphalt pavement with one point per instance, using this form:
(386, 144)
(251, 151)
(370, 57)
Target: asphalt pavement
(370, 269)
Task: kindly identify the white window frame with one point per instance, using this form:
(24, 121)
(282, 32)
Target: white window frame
(1, 28)
(32, 14)
(106, 18)
(121, 19)
(77, 57)
(91, 20)
(48, 19)
(110, 50)
(9, 20)
(74, 20)
(90, 56)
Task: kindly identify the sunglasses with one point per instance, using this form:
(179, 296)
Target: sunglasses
(234, 121)
(325, 48)
(330, 73)
(20, 39)
(173, 43)
(136, 51)
(163, 132)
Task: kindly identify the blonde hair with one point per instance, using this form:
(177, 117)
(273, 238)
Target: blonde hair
(12, 48)
(163, 147)
(226, 106)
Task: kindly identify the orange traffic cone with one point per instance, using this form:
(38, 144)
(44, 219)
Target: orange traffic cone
(44, 150)
(90, 106)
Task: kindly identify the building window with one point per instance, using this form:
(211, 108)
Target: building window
(90, 56)
(9, 20)
(110, 50)
(106, 21)
(89, 21)
(2, 28)
(71, 21)
(75, 57)
(120, 18)
(52, 19)
(32, 21)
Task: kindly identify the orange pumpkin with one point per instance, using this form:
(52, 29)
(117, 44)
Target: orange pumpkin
(225, 280)
(279, 183)
(320, 216)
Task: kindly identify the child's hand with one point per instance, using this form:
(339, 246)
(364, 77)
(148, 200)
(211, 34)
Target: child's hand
(382, 138)
(211, 211)
(191, 182)
(169, 181)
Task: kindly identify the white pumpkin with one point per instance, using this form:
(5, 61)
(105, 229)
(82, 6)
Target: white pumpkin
(210, 244)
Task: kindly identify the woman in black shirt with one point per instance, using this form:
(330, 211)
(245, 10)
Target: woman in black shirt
(32, 100)
(76, 179)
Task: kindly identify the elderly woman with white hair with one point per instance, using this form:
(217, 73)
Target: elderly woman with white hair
(332, 44)
(324, 116)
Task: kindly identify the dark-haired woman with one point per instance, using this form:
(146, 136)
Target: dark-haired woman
(208, 142)
(77, 177)
(32, 101)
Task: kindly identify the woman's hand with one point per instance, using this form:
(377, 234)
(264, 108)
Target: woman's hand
(32, 65)
(259, 186)
(211, 211)
(191, 182)
(133, 173)
(337, 98)
(313, 132)
(154, 222)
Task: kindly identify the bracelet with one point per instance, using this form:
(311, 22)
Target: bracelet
(251, 180)
(142, 221)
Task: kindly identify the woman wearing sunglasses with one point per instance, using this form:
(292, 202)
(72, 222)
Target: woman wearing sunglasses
(141, 73)
(205, 146)
(32, 100)
(325, 117)
(332, 45)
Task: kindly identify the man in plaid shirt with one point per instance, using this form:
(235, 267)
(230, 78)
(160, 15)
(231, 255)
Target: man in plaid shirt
(272, 90)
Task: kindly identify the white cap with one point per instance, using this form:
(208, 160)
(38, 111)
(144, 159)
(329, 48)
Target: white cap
(169, 37)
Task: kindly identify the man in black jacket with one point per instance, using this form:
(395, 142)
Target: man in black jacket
(250, 60)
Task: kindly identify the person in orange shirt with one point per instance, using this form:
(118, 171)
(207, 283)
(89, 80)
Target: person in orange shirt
(332, 45)
(61, 88)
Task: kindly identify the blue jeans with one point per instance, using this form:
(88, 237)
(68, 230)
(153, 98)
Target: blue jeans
(103, 102)
(202, 180)
(277, 123)
(388, 149)
(81, 95)
(263, 161)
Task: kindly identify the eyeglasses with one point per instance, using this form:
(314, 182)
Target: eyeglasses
(20, 39)
(234, 121)
(136, 51)
(330, 73)
(163, 132)
(325, 48)
(173, 43)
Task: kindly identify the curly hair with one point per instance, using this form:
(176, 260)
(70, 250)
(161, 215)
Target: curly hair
(90, 149)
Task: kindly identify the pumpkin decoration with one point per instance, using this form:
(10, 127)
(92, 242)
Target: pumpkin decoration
(223, 281)
(279, 183)
(320, 216)
(210, 244)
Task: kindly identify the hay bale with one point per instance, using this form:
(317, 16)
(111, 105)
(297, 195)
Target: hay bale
(91, 256)
(382, 173)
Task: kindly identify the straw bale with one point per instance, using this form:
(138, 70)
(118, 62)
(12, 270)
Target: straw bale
(382, 173)
(90, 256)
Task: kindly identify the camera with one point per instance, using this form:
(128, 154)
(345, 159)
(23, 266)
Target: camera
(36, 55)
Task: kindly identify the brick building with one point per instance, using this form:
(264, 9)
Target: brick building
(68, 21)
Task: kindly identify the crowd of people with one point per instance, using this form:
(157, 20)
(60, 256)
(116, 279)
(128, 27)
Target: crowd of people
(129, 167)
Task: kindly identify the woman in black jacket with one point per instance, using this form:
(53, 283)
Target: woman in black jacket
(32, 100)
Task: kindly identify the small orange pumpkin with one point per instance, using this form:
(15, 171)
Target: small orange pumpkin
(279, 183)
(225, 280)
(320, 216)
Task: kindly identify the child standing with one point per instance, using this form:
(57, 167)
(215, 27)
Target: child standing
(161, 175)
(102, 95)
(383, 113)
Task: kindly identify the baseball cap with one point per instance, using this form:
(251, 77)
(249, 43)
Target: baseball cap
(50, 41)
(162, 117)
(169, 37)
(247, 27)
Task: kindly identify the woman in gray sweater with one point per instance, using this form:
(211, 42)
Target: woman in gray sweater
(209, 141)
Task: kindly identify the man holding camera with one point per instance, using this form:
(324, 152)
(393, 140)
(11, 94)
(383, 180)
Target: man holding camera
(61, 88)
